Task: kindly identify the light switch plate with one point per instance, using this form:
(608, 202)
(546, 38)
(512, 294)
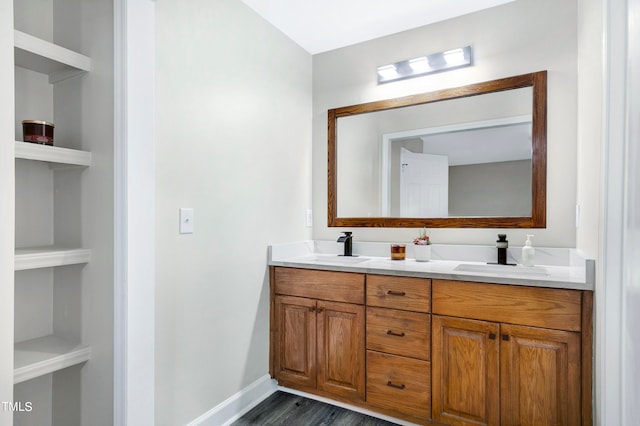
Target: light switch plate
(186, 220)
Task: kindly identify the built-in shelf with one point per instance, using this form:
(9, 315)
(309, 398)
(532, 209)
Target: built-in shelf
(49, 256)
(45, 57)
(55, 156)
(44, 355)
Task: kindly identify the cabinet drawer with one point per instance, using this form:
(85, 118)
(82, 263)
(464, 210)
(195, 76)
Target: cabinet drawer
(325, 285)
(399, 332)
(538, 307)
(410, 294)
(399, 383)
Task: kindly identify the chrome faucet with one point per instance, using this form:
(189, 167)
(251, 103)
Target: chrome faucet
(347, 239)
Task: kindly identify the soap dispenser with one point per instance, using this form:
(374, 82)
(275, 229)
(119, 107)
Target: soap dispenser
(528, 252)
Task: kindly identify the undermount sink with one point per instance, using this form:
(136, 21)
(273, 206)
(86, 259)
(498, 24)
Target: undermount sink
(339, 260)
(503, 269)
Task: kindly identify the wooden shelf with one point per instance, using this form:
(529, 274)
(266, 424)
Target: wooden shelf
(44, 355)
(49, 256)
(42, 56)
(55, 156)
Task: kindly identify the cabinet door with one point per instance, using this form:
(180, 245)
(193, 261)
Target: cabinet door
(540, 376)
(341, 349)
(465, 368)
(296, 342)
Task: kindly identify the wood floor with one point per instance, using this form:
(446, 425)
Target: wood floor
(283, 408)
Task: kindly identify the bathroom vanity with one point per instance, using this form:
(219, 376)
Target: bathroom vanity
(434, 342)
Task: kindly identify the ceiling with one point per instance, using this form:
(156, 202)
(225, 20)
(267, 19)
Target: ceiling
(322, 25)
(494, 144)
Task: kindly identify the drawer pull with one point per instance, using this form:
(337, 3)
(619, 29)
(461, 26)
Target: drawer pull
(393, 333)
(393, 385)
(396, 293)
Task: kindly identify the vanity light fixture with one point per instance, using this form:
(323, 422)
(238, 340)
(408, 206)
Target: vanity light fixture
(389, 72)
(423, 65)
(454, 57)
(419, 65)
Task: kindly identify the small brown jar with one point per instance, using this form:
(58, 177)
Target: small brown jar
(398, 251)
(36, 131)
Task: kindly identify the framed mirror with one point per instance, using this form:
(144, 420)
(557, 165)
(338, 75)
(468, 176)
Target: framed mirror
(466, 157)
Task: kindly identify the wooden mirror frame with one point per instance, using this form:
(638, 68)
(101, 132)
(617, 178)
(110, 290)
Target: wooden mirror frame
(537, 81)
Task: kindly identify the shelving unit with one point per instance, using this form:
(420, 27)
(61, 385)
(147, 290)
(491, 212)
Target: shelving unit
(57, 157)
(63, 258)
(44, 57)
(49, 257)
(37, 357)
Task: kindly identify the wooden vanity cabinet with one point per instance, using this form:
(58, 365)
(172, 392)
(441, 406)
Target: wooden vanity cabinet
(506, 355)
(318, 331)
(435, 351)
(399, 345)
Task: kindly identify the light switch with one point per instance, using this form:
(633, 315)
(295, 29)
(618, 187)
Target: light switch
(186, 221)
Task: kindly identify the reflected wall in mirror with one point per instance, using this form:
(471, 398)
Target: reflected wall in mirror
(472, 156)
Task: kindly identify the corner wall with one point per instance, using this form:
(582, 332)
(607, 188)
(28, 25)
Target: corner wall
(98, 212)
(590, 131)
(511, 39)
(233, 126)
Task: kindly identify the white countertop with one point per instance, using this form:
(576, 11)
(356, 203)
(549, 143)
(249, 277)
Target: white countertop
(555, 267)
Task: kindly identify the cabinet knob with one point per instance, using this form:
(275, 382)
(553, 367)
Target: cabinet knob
(393, 385)
(505, 337)
(393, 333)
(312, 309)
(492, 336)
(396, 293)
(319, 310)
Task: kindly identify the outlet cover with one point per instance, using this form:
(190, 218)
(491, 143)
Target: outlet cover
(308, 218)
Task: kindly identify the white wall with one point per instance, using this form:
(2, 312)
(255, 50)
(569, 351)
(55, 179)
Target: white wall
(7, 192)
(631, 289)
(135, 213)
(233, 114)
(589, 150)
(97, 135)
(618, 291)
(515, 38)
(589, 154)
(507, 184)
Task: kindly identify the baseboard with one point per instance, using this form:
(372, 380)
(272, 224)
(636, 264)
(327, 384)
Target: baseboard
(234, 407)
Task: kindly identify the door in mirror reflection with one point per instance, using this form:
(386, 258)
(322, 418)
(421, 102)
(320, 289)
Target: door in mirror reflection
(424, 184)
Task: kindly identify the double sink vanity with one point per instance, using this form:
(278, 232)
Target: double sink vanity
(455, 341)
